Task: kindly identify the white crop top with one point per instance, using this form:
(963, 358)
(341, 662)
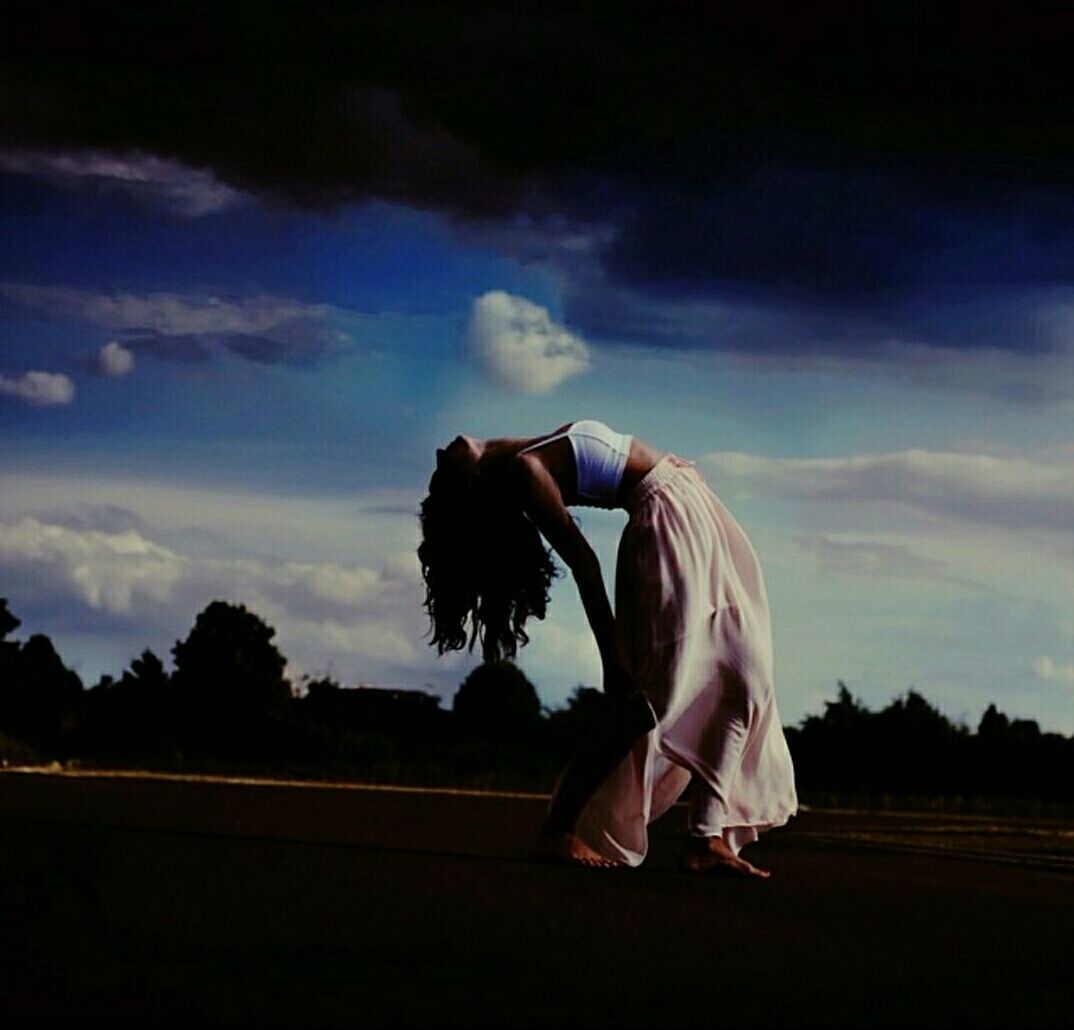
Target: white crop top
(600, 455)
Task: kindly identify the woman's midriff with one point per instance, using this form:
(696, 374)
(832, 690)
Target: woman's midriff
(640, 462)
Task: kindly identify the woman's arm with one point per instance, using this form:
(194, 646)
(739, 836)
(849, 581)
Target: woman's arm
(610, 742)
(601, 752)
(543, 503)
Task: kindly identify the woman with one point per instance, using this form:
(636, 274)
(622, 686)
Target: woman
(688, 653)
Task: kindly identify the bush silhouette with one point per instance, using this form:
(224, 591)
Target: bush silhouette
(586, 709)
(497, 700)
(134, 716)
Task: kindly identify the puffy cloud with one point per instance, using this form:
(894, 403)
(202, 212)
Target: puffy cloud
(188, 327)
(1015, 493)
(186, 191)
(520, 346)
(1046, 669)
(113, 572)
(40, 389)
(114, 359)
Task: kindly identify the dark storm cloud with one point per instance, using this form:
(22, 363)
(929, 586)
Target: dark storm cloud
(843, 234)
(794, 155)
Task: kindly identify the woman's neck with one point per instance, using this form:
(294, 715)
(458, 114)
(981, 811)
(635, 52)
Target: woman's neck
(496, 451)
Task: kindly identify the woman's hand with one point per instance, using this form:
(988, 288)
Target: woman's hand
(682, 463)
(618, 682)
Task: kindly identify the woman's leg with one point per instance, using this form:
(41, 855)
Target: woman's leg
(707, 849)
(587, 770)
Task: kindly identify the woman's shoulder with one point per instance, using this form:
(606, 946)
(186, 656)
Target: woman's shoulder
(529, 444)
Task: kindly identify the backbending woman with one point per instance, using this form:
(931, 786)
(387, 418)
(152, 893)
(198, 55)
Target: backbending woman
(687, 655)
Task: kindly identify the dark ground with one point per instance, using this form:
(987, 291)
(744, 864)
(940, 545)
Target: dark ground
(138, 901)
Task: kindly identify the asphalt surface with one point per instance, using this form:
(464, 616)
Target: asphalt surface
(138, 901)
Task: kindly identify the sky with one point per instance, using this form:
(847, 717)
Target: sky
(257, 262)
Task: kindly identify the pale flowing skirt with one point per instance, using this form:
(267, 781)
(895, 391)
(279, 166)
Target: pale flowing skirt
(692, 615)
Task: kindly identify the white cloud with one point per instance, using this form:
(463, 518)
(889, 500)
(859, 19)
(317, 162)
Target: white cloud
(520, 346)
(1016, 493)
(187, 191)
(1046, 669)
(40, 388)
(172, 314)
(114, 359)
(186, 326)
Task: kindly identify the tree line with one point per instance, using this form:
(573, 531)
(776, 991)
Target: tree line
(228, 707)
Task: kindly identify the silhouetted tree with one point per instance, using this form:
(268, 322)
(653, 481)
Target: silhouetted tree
(8, 622)
(916, 745)
(993, 724)
(846, 713)
(148, 671)
(134, 716)
(830, 749)
(39, 695)
(9, 651)
(365, 709)
(497, 700)
(229, 699)
(1025, 731)
(229, 679)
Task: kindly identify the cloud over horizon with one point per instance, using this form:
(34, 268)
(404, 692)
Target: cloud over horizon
(126, 577)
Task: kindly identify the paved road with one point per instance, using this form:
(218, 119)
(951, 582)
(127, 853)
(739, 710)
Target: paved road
(134, 901)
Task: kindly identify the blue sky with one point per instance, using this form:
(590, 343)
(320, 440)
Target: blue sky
(213, 386)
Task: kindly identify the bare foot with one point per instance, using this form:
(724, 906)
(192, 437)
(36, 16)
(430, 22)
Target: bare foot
(712, 855)
(568, 849)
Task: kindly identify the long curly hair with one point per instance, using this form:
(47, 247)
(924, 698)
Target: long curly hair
(485, 566)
